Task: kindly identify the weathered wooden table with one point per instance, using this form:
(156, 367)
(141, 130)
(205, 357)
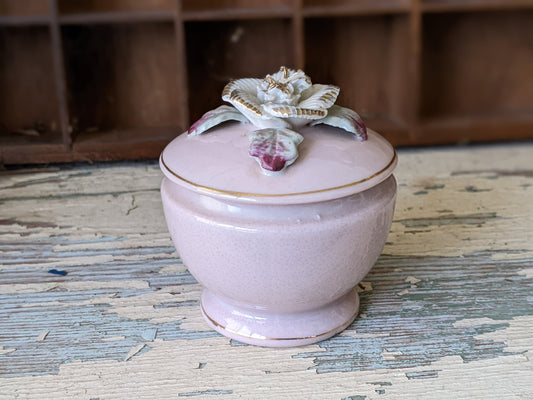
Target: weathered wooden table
(96, 304)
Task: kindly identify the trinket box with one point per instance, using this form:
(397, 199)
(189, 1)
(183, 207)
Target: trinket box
(279, 204)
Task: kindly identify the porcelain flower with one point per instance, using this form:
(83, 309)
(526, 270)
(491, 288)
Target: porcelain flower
(283, 101)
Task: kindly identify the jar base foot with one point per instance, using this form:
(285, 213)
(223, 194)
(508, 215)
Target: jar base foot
(265, 329)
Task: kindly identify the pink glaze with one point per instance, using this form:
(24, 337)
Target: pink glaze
(218, 163)
(279, 265)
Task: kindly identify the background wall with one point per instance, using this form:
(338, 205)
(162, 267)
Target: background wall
(118, 79)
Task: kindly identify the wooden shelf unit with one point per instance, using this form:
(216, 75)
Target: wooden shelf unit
(118, 79)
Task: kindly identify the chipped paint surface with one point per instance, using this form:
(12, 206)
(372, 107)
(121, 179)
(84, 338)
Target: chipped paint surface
(447, 312)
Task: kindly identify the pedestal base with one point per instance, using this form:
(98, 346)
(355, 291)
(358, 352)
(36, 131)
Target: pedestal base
(260, 328)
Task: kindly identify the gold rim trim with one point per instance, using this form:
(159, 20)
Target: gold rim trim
(331, 331)
(245, 194)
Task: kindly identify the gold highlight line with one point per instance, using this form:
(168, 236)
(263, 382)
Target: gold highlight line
(260, 337)
(245, 194)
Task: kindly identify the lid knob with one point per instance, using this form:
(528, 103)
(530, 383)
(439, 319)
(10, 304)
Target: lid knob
(279, 105)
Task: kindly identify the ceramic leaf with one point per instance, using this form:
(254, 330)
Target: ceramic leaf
(274, 149)
(215, 117)
(344, 118)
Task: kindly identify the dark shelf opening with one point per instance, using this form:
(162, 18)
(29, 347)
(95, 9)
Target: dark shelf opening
(29, 110)
(465, 77)
(368, 62)
(224, 50)
(121, 77)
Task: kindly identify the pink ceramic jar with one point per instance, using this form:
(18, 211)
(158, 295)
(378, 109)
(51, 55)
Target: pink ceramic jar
(279, 257)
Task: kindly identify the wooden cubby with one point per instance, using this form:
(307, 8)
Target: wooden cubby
(118, 79)
(17, 10)
(472, 88)
(214, 59)
(121, 86)
(209, 10)
(378, 43)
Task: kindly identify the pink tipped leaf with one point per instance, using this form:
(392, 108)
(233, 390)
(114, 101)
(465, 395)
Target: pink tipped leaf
(274, 149)
(344, 118)
(215, 117)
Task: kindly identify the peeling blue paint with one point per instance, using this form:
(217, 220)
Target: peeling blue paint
(44, 249)
(84, 328)
(429, 374)
(419, 325)
(149, 334)
(235, 343)
(496, 173)
(57, 272)
(119, 268)
(473, 189)
(81, 337)
(74, 196)
(434, 187)
(187, 303)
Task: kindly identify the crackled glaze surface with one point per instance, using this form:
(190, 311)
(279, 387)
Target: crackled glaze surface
(284, 268)
(295, 244)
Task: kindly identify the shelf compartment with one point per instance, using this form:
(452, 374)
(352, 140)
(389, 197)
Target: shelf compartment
(470, 129)
(367, 57)
(109, 145)
(29, 12)
(463, 76)
(473, 5)
(118, 17)
(25, 20)
(121, 77)
(24, 8)
(208, 10)
(27, 150)
(67, 7)
(29, 110)
(116, 11)
(223, 50)
(325, 8)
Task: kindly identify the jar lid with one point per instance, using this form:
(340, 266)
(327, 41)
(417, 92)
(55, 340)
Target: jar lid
(331, 164)
(283, 118)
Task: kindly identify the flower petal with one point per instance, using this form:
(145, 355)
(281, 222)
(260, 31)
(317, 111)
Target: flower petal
(245, 103)
(286, 111)
(216, 117)
(344, 118)
(250, 106)
(283, 74)
(319, 97)
(242, 93)
(248, 85)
